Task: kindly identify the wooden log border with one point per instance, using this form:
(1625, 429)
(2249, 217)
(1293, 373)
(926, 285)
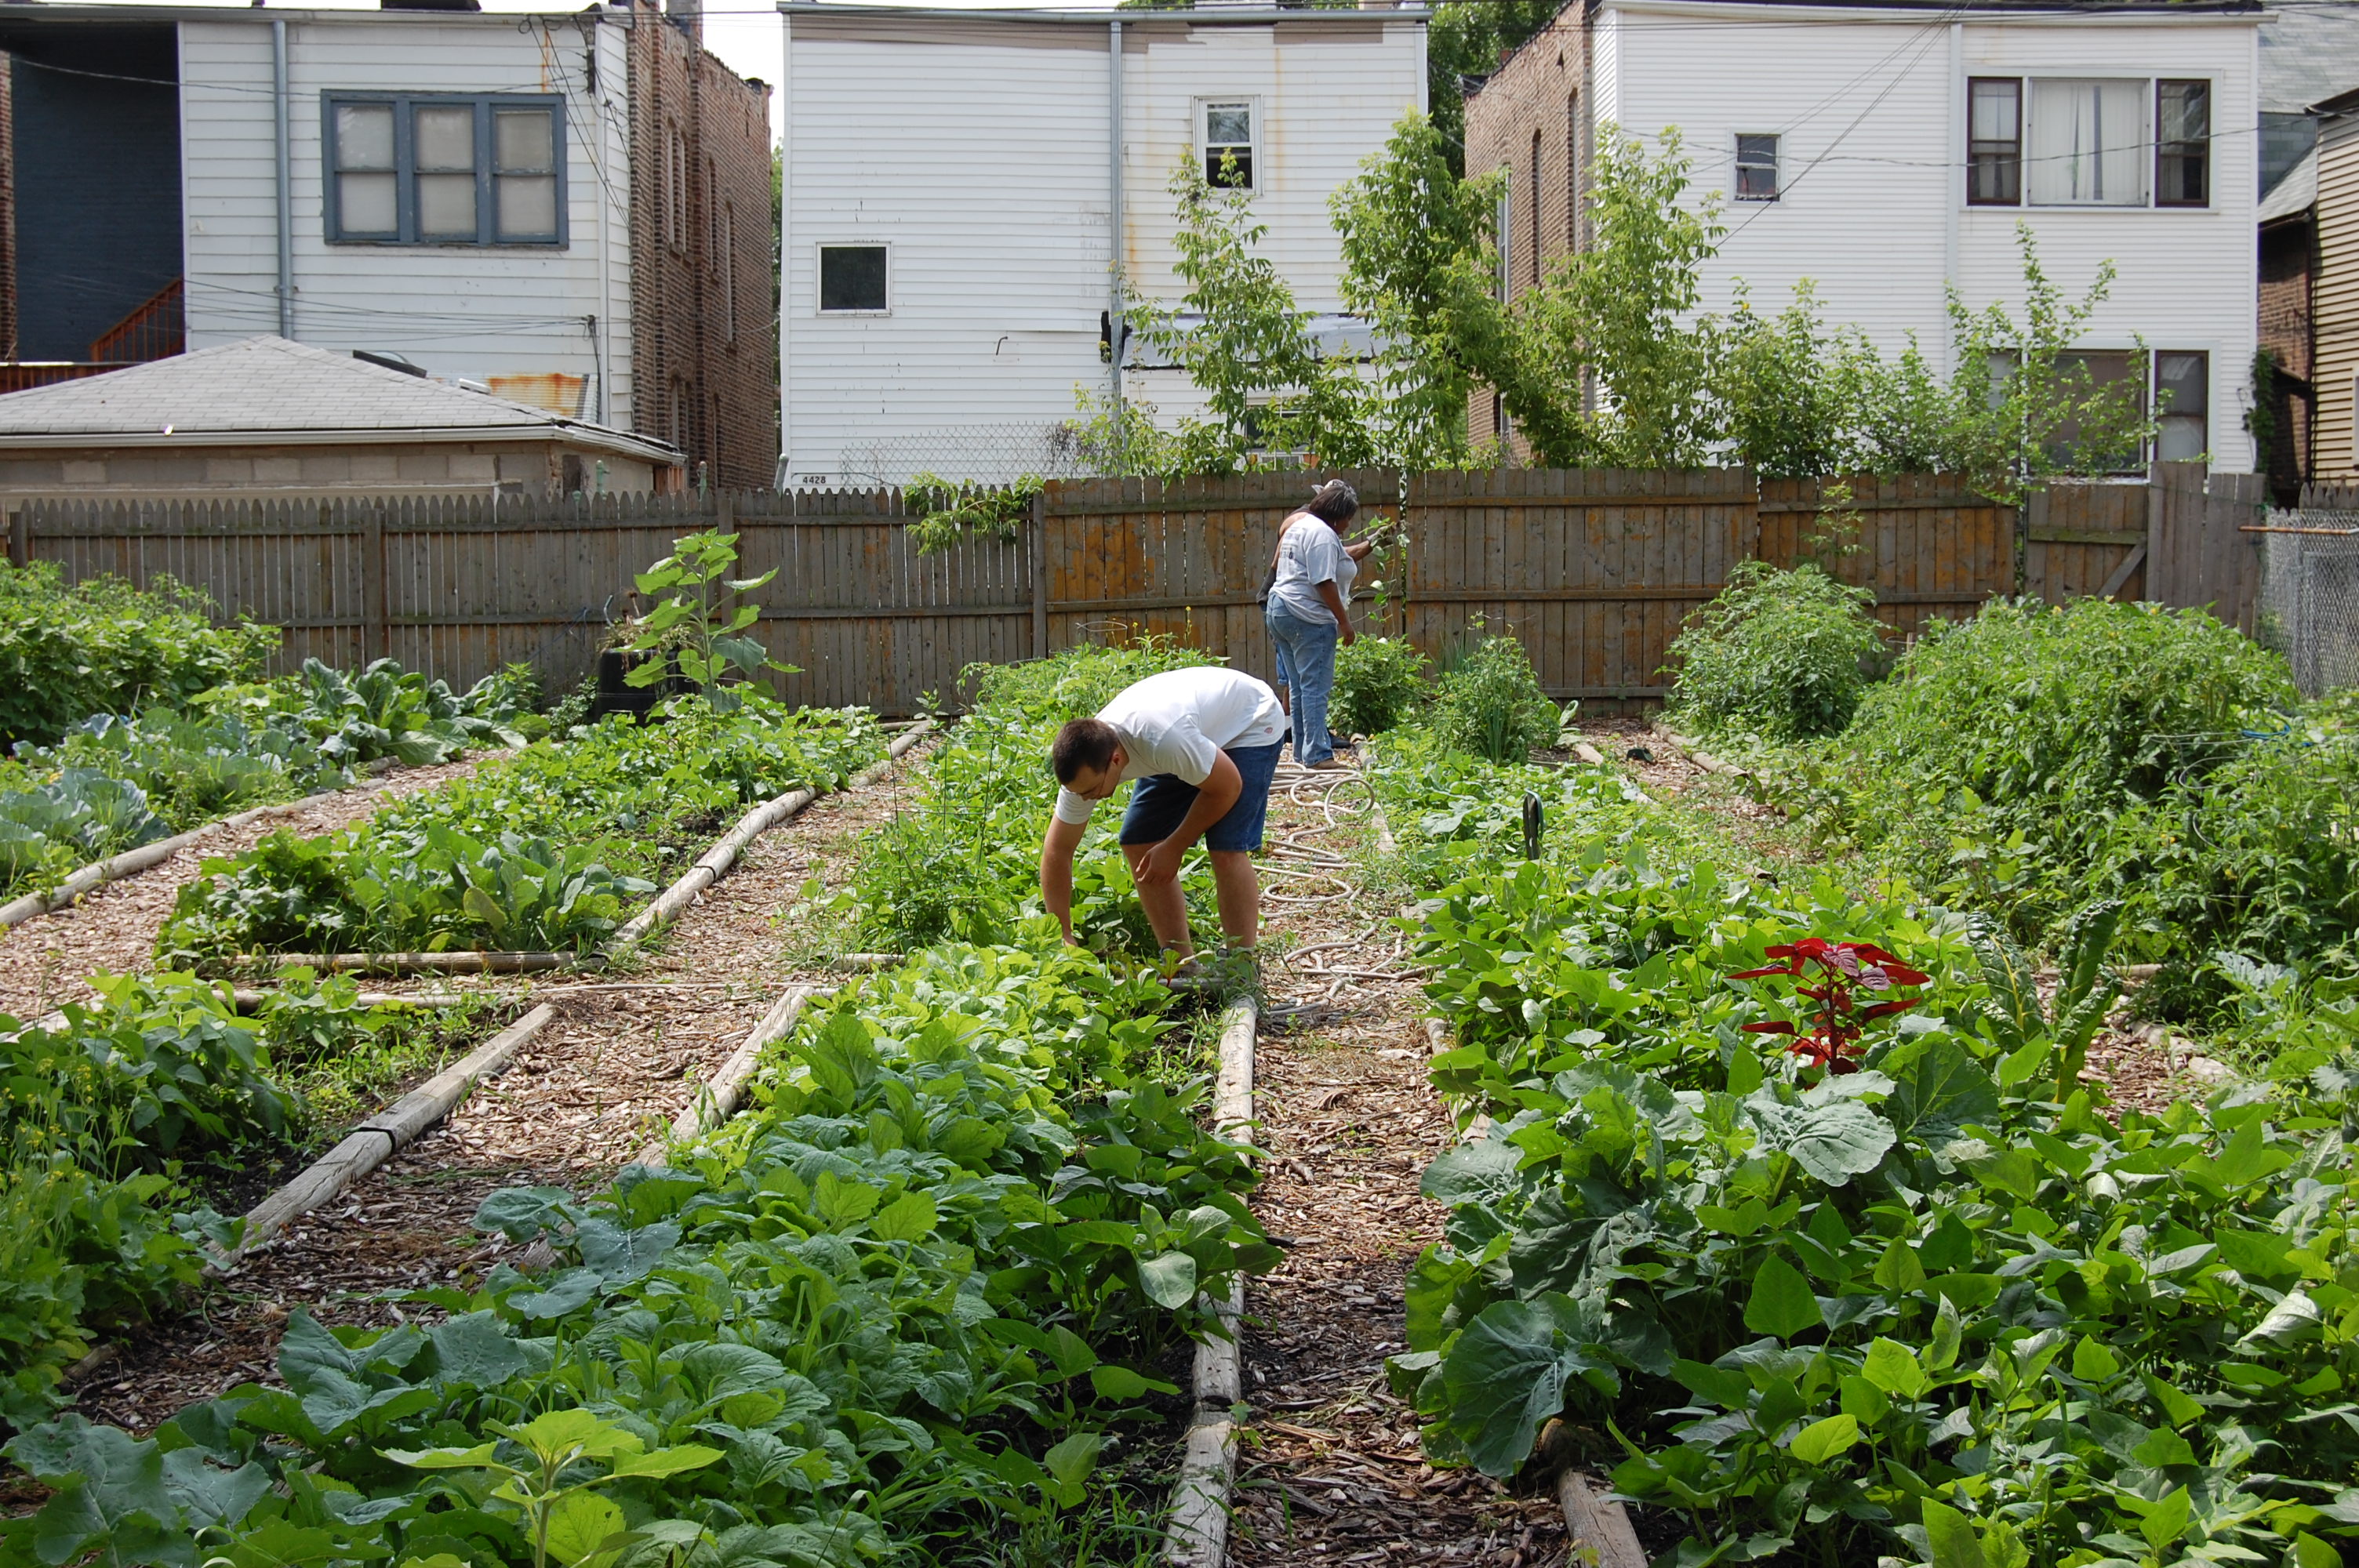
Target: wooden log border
(1198, 1533)
(382, 1136)
(131, 862)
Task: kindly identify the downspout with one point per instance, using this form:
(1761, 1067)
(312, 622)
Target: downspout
(286, 196)
(602, 324)
(1953, 194)
(1114, 217)
(786, 248)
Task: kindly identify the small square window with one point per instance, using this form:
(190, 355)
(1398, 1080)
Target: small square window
(852, 278)
(1757, 169)
(1229, 146)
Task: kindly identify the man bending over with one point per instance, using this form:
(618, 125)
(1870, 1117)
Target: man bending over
(1203, 743)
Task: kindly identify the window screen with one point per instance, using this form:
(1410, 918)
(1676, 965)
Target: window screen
(1757, 169)
(852, 277)
(443, 170)
(2182, 384)
(1229, 144)
(2182, 144)
(1994, 142)
(2109, 370)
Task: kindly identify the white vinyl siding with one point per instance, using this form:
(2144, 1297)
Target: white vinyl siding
(462, 308)
(984, 171)
(1871, 204)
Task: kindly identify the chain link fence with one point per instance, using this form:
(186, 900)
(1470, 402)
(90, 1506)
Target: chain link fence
(971, 454)
(2310, 595)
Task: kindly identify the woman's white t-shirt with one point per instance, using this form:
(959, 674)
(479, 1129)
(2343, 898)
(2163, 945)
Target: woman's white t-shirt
(1179, 721)
(1309, 552)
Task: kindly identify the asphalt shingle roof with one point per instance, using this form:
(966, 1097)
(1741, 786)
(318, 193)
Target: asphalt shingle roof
(264, 386)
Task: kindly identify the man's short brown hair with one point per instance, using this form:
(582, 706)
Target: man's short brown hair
(1084, 743)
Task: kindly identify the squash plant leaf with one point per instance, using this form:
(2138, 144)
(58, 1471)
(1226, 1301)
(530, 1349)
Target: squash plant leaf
(1782, 1303)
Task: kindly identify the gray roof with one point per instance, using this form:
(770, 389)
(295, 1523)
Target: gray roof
(266, 389)
(2295, 194)
(2310, 52)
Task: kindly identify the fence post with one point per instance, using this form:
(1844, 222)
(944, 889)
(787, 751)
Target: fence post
(377, 630)
(1040, 574)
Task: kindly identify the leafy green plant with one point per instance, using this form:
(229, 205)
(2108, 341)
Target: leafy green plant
(1489, 701)
(103, 646)
(954, 511)
(1378, 682)
(546, 849)
(1785, 655)
(697, 632)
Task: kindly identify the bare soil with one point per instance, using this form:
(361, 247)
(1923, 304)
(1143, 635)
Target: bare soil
(580, 1101)
(46, 962)
(1330, 1470)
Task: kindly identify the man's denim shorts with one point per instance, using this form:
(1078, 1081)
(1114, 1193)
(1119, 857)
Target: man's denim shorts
(1158, 803)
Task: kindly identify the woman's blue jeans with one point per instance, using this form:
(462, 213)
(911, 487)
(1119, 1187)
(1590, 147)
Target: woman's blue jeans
(1306, 667)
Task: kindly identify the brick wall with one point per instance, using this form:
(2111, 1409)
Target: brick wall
(1528, 119)
(2286, 258)
(705, 375)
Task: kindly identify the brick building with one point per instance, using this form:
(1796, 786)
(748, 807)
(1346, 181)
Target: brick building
(1529, 120)
(2288, 242)
(707, 367)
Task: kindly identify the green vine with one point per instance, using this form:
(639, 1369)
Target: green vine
(2262, 418)
(955, 510)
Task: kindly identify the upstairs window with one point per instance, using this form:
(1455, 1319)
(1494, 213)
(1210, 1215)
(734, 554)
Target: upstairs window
(2087, 147)
(1994, 142)
(442, 171)
(1227, 136)
(2087, 142)
(2182, 144)
(1757, 169)
(853, 280)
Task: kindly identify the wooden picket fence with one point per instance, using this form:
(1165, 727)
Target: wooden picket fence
(1594, 570)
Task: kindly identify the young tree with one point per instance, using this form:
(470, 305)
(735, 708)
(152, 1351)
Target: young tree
(2028, 405)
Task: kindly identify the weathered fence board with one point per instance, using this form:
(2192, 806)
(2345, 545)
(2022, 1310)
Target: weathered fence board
(1594, 570)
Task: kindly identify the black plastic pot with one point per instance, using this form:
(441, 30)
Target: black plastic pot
(617, 695)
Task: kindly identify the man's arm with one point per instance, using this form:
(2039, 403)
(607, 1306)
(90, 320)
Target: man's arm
(1333, 600)
(1057, 869)
(1213, 797)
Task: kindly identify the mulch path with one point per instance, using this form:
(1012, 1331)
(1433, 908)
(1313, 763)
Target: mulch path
(582, 1097)
(45, 962)
(1330, 1470)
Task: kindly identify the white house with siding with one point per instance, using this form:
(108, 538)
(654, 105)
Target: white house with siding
(959, 186)
(1889, 153)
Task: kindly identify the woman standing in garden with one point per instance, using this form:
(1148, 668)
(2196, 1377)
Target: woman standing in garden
(1308, 607)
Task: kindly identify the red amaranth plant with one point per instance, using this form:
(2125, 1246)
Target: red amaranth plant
(1848, 973)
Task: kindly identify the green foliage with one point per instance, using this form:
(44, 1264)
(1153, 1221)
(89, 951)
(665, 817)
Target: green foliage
(1784, 654)
(887, 1314)
(1378, 682)
(1489, 701)
(114, 782)
(1799, 400)
(2043, 412)
(545, 850)
(953, 512)
(2011, 759)
(698, 633)
(1420, 267)
(963, 863)
(1939, 1309)
(97, 1225)
(1245, 345)
(102, 646)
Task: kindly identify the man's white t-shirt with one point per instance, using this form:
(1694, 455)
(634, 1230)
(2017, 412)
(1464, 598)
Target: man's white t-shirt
(1177, 723)
(1308, 554)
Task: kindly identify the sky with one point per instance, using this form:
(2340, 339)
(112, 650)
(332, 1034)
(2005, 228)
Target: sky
(744, 33)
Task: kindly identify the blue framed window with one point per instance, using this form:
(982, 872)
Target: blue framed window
(444, 170)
